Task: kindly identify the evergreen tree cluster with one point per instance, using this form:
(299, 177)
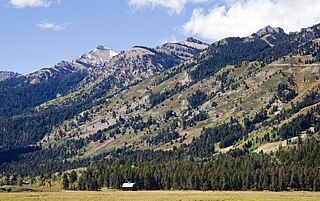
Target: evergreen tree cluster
(197, 98)
(295, 168)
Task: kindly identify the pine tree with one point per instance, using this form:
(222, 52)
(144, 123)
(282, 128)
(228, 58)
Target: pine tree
(65, 181)
(73, 176)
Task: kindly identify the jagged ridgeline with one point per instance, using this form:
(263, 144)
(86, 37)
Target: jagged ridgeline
(205, 106)
(35, 103)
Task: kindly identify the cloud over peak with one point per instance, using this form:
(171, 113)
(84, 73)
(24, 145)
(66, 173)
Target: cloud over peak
(244, 17)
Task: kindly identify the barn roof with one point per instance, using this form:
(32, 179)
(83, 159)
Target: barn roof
(128, 185)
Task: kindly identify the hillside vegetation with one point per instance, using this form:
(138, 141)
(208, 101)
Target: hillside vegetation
(180, 108)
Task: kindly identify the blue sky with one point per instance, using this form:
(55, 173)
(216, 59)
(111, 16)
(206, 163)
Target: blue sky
(40, 33)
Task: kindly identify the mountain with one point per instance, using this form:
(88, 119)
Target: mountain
(139, 63)
(268, 30)
(174, 107)
(68, 88)
(126, 69)
(98, 57)
(85, 63)
(219, 72)
(22, 93)
(64, 77)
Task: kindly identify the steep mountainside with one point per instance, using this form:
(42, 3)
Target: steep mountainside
(238, 78)
(71, 87)
(20, 93)
(125, 70)
(139, 63)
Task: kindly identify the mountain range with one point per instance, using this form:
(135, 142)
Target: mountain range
(253, 94)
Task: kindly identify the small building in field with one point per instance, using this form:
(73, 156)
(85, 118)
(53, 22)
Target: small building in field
(129, 187)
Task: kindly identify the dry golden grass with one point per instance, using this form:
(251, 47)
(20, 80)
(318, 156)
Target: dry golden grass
(161, 196)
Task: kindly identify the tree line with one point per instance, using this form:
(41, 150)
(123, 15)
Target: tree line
(293, 168)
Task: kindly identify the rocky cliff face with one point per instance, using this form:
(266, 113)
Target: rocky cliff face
(85, 63)
(97, 57)
(140, 62)
(184, 49)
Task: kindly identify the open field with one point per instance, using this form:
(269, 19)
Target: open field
(161, 196)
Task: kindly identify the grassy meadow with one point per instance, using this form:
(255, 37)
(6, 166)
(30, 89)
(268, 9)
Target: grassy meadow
(161, 196)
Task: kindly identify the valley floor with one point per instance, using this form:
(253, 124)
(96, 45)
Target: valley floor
(162, 196)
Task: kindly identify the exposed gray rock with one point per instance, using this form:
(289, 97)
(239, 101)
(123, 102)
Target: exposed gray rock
(268, 30)
(7, 74)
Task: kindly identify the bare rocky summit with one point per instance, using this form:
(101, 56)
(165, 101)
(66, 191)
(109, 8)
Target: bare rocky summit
(268, 30)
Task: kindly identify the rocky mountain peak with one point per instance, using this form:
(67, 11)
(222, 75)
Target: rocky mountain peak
(184, 49)
(268, 30)
(97, 57)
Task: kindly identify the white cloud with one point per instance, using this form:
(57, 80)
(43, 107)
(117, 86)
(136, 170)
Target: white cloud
(52, 26)
(176, 6)
(244, 17)
(31, 3)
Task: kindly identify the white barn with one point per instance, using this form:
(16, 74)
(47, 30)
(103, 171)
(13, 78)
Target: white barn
(129, 186)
